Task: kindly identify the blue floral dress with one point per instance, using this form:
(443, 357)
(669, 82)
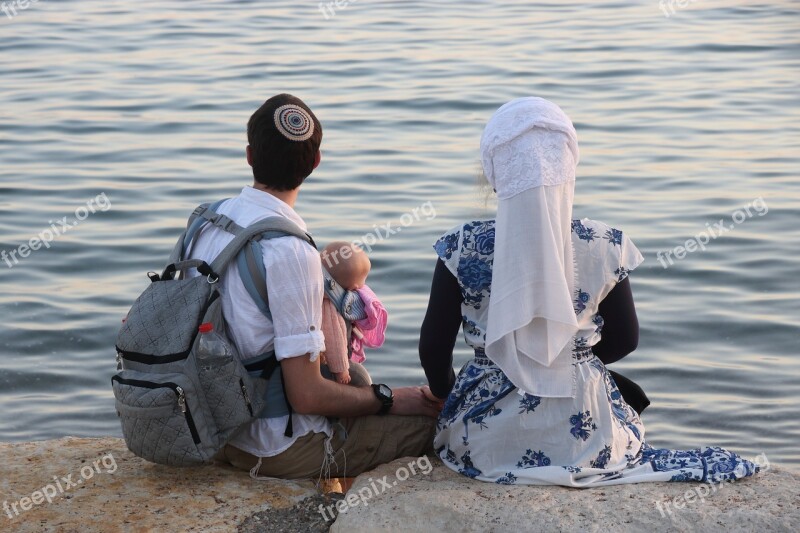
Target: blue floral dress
(488, 430)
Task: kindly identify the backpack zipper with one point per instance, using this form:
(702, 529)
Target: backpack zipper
(246, 396)
(179, 393)
(149, 359)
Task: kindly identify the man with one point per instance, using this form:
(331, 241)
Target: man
(377, 424)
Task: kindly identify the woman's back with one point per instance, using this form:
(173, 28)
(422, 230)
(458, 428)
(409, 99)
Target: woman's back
(594, 428)
(604, 256)
(540, 408)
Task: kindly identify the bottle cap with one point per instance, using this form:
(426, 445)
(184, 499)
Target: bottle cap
(208, 327)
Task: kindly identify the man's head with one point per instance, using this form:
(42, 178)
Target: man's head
(284, 138)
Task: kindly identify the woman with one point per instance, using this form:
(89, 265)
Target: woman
(532, 289)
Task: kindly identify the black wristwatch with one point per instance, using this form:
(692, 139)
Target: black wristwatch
(384, 394)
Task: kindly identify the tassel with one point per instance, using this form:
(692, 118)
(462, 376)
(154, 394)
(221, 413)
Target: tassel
(328, 460)
(254, 473)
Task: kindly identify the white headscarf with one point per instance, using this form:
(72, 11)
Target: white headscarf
(529, 152)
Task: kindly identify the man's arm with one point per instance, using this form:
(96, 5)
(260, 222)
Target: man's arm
(294, 278)
(310, 393)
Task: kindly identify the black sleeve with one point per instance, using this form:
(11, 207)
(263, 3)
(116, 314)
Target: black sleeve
(631, 392)
(440, 331)
(620, 334)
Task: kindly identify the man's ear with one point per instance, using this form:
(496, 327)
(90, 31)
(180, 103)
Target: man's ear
(249, 152)
(318, 160)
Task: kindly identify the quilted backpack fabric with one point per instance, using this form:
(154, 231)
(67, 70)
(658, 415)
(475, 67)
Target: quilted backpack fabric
(175, 408)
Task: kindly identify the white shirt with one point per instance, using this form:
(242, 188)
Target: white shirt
(295, 285)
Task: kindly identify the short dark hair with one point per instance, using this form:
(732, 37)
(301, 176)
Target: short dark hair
(279, 162)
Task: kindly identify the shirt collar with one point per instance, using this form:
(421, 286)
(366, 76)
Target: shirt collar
(265, 200)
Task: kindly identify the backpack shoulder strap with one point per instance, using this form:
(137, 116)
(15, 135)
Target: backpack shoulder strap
(196, 221)
(268, 228)
(202, 215)
(246, 248)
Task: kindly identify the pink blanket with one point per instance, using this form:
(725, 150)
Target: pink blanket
(372, 328)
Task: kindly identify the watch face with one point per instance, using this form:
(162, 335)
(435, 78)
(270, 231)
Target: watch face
(385, 391)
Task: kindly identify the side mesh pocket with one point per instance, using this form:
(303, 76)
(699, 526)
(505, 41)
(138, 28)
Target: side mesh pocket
(225, 386)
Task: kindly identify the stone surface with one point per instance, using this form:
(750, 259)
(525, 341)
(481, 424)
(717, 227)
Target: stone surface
(128, 493)
(124, 493)
(304, 516)
(447, 501)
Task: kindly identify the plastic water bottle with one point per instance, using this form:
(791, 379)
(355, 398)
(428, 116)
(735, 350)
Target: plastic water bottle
(212, 346)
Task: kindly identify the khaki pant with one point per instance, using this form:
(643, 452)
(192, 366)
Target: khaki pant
(358, 444)
(370, 441)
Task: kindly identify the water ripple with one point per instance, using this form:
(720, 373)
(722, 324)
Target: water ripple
(682, 121)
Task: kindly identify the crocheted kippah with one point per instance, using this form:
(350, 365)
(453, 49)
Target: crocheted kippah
(294, 123)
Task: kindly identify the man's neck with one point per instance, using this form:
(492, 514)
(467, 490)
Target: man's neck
(287, 197)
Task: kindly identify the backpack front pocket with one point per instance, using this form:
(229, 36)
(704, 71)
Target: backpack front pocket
(157, 421)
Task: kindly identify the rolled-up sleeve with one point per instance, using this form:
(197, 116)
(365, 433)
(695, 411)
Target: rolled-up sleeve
(295, 287)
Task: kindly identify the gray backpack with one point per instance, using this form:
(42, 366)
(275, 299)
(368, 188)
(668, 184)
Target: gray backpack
(174, 410)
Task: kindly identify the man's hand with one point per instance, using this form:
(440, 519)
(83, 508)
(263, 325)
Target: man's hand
(414, 401)
(310, 393)
(426, 390)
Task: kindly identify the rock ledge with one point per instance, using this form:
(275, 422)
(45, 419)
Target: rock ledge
(87, 485)
(447, 501)
(107, 488)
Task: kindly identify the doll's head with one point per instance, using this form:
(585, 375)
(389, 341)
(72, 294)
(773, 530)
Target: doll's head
(347, 263)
